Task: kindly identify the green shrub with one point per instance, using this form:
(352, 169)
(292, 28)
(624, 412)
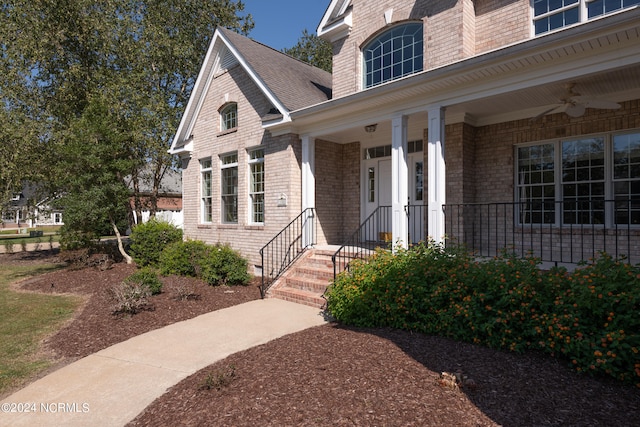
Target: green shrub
(149, 239)
(184, 258)
(215, 264)
(588, 317)
(224, 266)
(71, 240)
(146, 277)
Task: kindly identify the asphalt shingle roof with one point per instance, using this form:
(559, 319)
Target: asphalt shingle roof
(295, 83)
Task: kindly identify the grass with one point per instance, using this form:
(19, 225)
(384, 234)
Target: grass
(26, 319)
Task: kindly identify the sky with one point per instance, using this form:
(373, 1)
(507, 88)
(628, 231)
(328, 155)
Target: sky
(279, 23)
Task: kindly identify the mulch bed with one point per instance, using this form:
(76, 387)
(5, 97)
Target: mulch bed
(335, 375)
(96, 327)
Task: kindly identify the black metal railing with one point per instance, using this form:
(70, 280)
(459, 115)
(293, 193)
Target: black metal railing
(374, 232)
(281, 251)
(568, 231)
(417, 223)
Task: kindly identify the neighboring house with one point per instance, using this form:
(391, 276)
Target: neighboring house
(169, 199)
(491, 122)
(30, 209)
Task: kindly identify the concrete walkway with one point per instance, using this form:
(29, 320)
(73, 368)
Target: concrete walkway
(111, 387)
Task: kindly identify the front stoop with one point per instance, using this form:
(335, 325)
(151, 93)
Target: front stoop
(306, 280)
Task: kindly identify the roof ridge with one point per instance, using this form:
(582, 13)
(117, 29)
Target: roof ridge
(229, 30)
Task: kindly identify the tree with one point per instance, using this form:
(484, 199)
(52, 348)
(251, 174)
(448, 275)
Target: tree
(93, 163)
(139, 57)
(312, 50)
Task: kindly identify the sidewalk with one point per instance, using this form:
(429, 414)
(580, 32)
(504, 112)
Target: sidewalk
(112, 386)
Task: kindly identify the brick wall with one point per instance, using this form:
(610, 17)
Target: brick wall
(453, 30)
(337, 190)
(282, 168)
(501, 22)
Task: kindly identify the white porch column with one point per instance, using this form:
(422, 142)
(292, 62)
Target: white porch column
(399, 181)
(436, 171)
(308, 186)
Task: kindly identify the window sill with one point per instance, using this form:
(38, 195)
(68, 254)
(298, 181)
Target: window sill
(204, 226)
(257, 227)
(227, 132)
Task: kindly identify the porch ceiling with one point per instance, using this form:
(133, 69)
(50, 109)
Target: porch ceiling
(520, 81)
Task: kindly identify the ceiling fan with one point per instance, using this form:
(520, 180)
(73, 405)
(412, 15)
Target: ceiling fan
(574, 104)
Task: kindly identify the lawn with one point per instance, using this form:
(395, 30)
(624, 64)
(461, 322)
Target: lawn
(26, 319)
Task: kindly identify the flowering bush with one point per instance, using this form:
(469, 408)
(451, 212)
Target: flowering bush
(589, 317)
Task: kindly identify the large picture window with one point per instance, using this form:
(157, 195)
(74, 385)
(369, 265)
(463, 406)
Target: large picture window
(395, 53)
(256, 186)
(206, 190)
(580, 181)
(229, 191)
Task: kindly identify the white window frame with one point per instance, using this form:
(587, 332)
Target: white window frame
(256, 158)
(228, 161)
(559, 199)
(391, 66)
(582, 7)
(228, 117)
(206, 200)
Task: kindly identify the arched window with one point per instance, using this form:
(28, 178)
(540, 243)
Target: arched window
(395, 53)
(229, 117)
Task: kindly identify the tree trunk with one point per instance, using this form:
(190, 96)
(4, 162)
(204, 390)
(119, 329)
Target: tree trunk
(137, 202)
(125, 255)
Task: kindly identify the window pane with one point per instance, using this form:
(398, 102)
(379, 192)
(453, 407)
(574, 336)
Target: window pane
(229, 117)
(595, 8)
(394, 54)
(229, 188)
(555, 4)
(419, 181)
(541, 25)
(536, 189)
(626, 175)
(256, 185)
(371, 181)
(206, 190)
(571, 16)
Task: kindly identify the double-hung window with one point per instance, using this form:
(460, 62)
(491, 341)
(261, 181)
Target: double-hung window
(549, 15)
(229, 117)
(229, 190)
(626, 178)
(396, 53)
(580, 181)
(256, 186)
(206, 190)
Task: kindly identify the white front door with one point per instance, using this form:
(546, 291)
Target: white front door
(378, 193)
(377, 189)
(417, 210)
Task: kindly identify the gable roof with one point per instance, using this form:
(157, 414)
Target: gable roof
(288, 83)
(337, 20)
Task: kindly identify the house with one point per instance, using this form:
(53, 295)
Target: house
(495, 123)
(30, 208)
(168, 198)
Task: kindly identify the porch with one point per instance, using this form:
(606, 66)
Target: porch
(300, 269)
